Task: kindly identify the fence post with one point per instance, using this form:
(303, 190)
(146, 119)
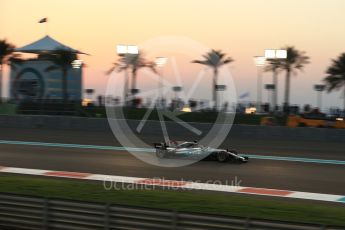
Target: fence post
(247, 223)
(174, 223)
(107, 217)
(45, 213)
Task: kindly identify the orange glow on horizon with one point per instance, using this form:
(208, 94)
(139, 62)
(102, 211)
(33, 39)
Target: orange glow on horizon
(242, 29)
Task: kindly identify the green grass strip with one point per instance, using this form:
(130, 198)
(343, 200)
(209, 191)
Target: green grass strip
(192, 201)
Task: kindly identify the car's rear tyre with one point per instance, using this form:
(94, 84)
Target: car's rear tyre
(161, 153)
(222, 156)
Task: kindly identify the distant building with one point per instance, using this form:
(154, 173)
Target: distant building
(31, 80)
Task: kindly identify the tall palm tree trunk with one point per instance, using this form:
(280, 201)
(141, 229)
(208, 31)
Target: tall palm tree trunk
(64, 86)
(344, 99)
(134, 80)
(1, 73)
(287, 88)
(125, 90)
(134, 85)
(275, 90)
(215, 78)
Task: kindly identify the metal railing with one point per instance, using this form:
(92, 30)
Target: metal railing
(29, 212)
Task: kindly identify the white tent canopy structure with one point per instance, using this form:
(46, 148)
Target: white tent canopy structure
(30, 80)
(45, 45)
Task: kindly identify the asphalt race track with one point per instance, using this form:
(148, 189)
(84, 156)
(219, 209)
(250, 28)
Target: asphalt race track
(289, 175)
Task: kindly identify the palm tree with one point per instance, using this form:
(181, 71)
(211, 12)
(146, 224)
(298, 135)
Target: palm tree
(274, 67)
(120, 66)
(214, 59)
(134, 62)
(62, 59)
(6, 50)
(295, 60)
(335, 78)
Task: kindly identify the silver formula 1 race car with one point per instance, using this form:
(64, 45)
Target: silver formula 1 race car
(175, 149)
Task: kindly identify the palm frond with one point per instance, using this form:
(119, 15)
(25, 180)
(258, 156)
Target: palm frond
(152, 66)
(6, 49)
(200, 62)
(228, 60)
(63, 57)
(110, 71)
(295, 60)
(273, 65)
(214, 59)
(15, 61)
(133, 62)
(335, 78)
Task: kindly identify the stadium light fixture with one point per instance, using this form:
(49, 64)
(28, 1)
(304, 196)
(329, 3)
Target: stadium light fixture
(121, 49)
(131, 49)
(269, 53)
(76, 64)
(126, 51)
(281, 54)
(259, 61)
(275, 54)
(161, 61)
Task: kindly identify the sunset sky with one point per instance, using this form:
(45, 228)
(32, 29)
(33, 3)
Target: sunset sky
(241, 28)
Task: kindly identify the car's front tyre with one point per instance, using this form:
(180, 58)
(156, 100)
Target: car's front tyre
(161, 153)
(245, 160)
(242, 160)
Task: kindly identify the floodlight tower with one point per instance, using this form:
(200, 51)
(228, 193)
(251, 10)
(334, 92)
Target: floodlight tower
(126, 51)
(160, 62)
(275, 55)
(259, 62)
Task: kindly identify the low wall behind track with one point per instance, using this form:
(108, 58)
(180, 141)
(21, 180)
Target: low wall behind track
(237, 131)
